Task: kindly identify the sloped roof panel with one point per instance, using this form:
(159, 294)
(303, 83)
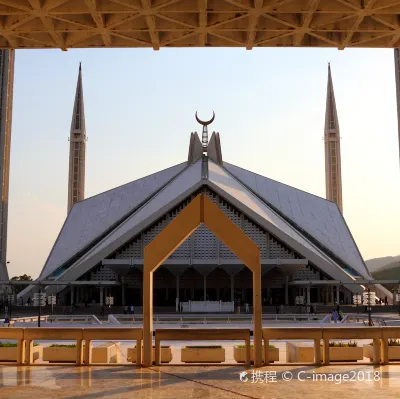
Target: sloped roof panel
(320, 218)
(221, 179)
(173, 192)
(90, 218)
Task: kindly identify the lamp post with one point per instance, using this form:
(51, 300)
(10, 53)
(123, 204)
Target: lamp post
(369, 299)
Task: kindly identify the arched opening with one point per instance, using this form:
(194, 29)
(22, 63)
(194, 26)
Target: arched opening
(200, 210)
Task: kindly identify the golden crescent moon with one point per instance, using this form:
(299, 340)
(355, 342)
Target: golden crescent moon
(205, 123)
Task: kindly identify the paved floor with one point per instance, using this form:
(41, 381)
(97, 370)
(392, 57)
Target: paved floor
(68, 382)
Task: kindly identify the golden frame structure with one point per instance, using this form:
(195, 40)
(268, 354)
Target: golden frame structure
(200, 210)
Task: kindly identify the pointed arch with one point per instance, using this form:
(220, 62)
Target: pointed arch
(200, 210)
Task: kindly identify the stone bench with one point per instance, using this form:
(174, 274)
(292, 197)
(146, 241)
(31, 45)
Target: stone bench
(109, 352)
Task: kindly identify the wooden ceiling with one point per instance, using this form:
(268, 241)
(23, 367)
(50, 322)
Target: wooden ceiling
(199, 23)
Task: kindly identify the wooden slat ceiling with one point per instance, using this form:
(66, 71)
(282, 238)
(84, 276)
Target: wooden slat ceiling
(199, 23)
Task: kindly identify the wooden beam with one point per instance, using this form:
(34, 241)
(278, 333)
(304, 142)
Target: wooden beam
(98, 20)
(307, 18)
(202, 4)
(151, 24)
(361, 15)
(254, 17)
(48, 24)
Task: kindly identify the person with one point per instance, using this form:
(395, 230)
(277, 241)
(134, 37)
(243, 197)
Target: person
(132, 310)
(335, 316)
(181, 305)
(337, 308)
(247, 307)
(29, 301)
(341, 315)
(102, 310)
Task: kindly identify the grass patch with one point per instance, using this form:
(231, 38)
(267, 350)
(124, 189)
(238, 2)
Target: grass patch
(62, 346)
(204, 347)
(12, 344)
(350, 344)
(391, 342)
(252, 346)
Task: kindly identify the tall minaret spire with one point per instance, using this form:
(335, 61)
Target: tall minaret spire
(76, 180)
(397, 76)
(333, 175)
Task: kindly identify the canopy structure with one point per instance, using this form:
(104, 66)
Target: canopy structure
(199, 23)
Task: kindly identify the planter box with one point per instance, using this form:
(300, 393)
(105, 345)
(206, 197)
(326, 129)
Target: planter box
(166, 354)
(239, 354)
(203, 355)
(344, 354)
(108, 352)
(394, 352)
(59, 355)
(299, 353)
(9, 354)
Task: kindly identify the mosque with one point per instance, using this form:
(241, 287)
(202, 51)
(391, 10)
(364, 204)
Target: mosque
(307, 249)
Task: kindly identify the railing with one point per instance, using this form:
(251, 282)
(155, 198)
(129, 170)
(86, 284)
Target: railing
(30, 319)
(90, 319)
(217, 319)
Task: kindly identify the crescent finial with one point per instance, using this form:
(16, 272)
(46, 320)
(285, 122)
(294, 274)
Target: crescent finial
(205, 123)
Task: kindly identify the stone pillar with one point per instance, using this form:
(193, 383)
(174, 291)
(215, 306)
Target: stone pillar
(232, 288)
(337, 294)
(286, 290)
(205, 288)
(101, 296)
(308, 296)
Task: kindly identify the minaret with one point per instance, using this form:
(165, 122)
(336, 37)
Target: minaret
(6, 100)
(333, 175)
(397, 73)
(76, 180)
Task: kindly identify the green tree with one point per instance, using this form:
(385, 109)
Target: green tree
(19, 288)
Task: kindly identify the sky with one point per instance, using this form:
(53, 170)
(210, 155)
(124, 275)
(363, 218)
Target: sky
(140, 106)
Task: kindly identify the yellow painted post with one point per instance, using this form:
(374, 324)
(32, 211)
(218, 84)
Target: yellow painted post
(384, 351)
(376, 347)
(326, 351)
(139, 352)
(257, 315)
(266, 351)
(317, 351)
(147, 317)
(20, 351)
(29, 352)
(79, 352)
(88, 352)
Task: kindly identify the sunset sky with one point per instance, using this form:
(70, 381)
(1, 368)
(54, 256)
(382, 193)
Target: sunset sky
(140, 106)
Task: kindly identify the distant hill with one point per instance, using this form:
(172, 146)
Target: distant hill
(389, 272)
(387, 262)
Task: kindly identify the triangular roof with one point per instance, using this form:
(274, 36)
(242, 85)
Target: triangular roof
(101, 224)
